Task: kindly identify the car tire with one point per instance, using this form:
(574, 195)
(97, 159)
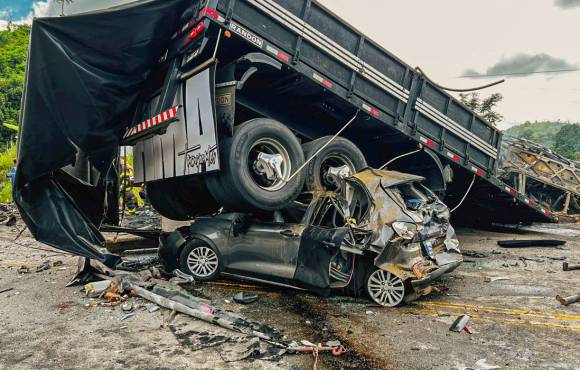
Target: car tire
(181, 198)
(338, 153)
(385, 288)
(200, 260)
(239, 187)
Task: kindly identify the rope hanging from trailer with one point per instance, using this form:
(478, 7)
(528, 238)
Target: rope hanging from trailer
(421, 73)
(384, 166)
(465, 196)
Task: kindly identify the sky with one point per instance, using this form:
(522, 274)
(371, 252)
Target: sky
(453, 38)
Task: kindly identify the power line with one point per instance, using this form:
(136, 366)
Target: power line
(523, 73)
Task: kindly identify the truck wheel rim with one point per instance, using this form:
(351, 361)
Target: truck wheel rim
(386, 288)
(202, 261)
(269, 146)
(334, 161)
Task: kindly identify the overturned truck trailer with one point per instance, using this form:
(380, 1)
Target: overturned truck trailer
(225, 102)
(544, 176)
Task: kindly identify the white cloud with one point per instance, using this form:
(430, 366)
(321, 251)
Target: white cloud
(39, 9)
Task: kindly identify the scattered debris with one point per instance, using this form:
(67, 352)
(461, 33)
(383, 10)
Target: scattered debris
(181, 278)
(538, 260)
(544, 229)
(568, 300)
(556, 258)
(4, 290)
(494, 279)
(460, 324)
(127, 307)
(151, 307)
(97, 288)
(530, 243)
(23, 270)
(570, 267)
(243, 298)
(9, 221)
(483, 365)
(129, 315)
(240, 349)
(335, 347)
(221, 320)
(43, 266)
(195, 340)
(473, 254)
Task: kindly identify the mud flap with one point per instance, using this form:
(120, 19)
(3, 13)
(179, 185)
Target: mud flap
(317, 248)
(188, 146)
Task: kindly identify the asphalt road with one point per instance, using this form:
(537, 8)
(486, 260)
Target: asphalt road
(516, 321)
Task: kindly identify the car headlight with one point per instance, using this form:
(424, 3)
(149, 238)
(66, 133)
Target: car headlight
(405, 230)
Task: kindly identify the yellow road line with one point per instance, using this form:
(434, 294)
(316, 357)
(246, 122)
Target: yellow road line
(500, 310)
(477, 317)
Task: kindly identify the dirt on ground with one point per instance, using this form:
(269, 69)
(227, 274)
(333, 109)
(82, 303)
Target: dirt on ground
(516, 322)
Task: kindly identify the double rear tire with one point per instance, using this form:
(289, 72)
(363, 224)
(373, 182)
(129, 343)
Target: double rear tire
(241, 185)
(245, 184)
(340, 152)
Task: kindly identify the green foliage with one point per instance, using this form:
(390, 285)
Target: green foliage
(13, 51)
(561, 137)
(6, 161)
(484, 107)
(568, 141)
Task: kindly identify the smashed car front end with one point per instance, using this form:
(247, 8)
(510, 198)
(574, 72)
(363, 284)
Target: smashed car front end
(409, 228)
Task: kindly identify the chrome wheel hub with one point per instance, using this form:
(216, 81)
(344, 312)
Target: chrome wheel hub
(269, 164)
(386, 288)
(202, 261)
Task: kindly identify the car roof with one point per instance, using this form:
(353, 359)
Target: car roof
(372, 177)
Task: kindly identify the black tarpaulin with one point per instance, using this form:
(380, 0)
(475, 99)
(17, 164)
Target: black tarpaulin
(84, 76)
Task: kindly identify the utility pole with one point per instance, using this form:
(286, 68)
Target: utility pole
(62, 4)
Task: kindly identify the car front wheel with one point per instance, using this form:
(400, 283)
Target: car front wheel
(200, 260)
(385, 288)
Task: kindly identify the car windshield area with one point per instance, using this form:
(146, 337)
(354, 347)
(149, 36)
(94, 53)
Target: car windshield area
(337, 210)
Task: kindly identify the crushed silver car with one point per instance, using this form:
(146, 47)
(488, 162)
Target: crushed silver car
(381, 233)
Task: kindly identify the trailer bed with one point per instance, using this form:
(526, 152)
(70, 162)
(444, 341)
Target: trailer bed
(310, 39)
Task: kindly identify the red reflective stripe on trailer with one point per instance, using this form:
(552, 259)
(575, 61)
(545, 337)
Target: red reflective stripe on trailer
(283, 56)
(430, 143)
(209, 11)
(153, 121)
(510, 190)
(478, 171)
(327, 84)
(375, 112)
(453, 156)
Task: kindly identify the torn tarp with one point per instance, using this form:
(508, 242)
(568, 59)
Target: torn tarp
(83, 77)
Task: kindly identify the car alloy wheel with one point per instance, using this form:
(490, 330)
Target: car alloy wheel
(202, 261)
(385, 288)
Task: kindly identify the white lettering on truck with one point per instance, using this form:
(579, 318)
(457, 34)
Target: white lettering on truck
(247, 34)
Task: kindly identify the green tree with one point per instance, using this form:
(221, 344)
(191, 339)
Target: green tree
(567, 141)
(13, 51)
(485, 107)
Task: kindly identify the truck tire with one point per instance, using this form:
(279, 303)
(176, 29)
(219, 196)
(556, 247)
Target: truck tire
(240, 186)
(181, 198)
(338, 153)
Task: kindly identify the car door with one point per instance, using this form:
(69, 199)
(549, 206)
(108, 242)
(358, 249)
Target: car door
(267, 250)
